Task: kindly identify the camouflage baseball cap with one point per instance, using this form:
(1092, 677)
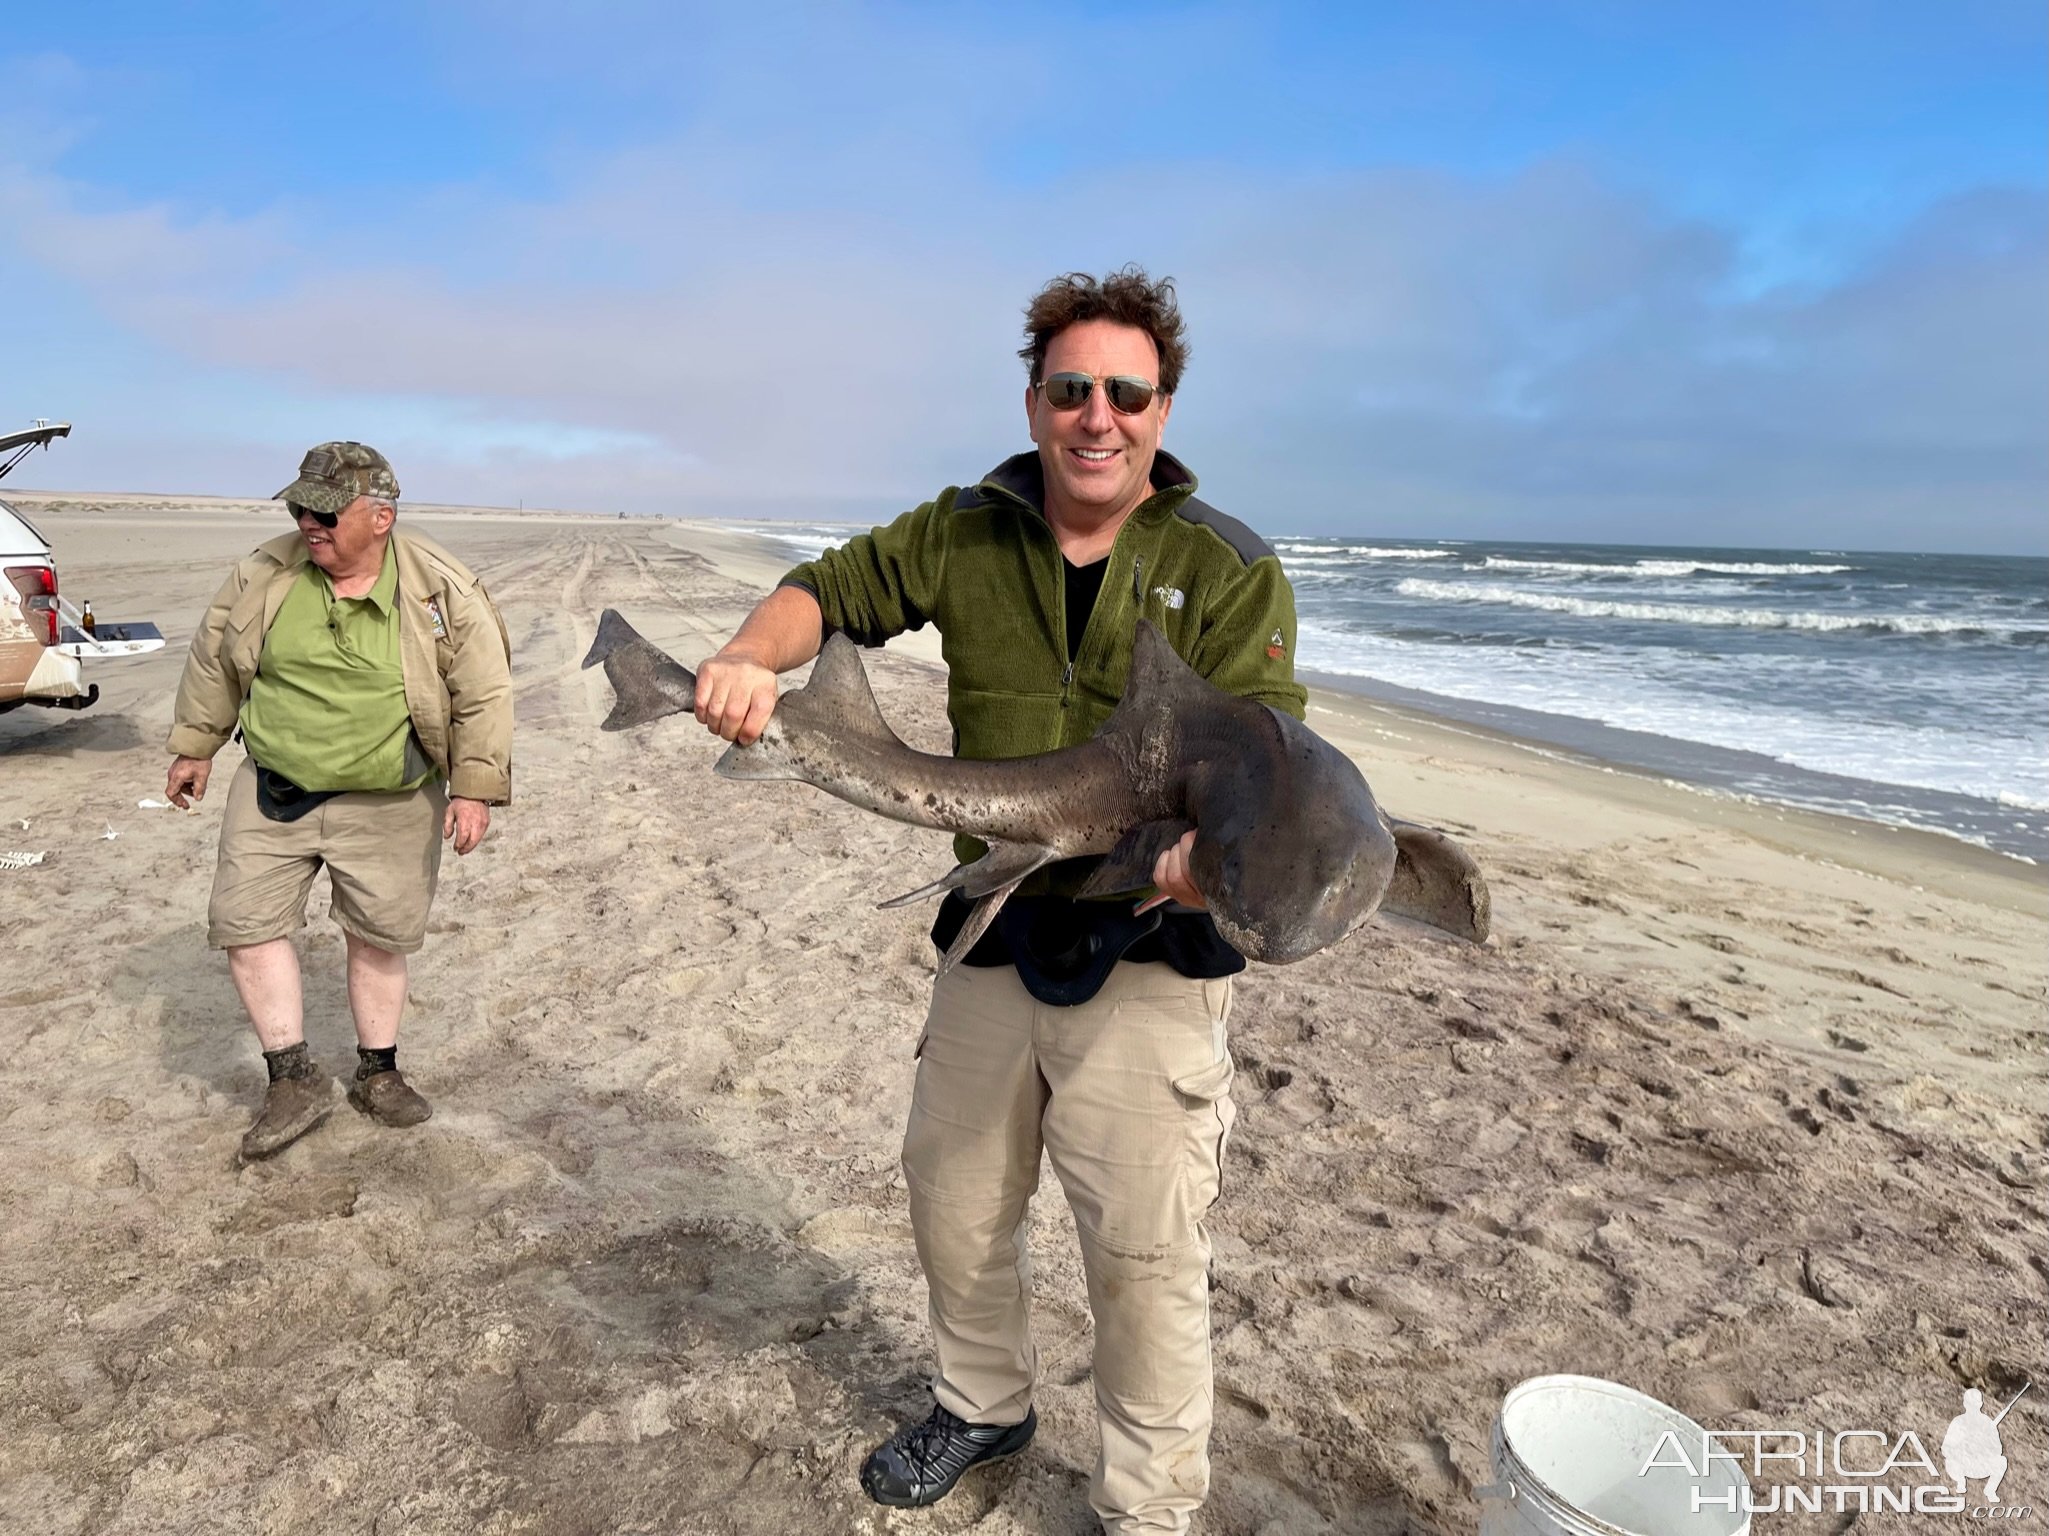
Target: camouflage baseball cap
(335, 474)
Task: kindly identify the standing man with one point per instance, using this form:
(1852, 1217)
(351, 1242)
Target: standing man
(371, 677)
(1090, 1030)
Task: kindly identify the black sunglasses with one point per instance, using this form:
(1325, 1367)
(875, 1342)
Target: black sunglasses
(1127, 393)
(324, 519)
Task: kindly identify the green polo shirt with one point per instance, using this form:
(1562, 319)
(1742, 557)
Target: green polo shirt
(328, 706)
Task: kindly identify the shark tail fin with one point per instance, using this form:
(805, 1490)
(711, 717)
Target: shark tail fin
(647, 682)
(1436, 882)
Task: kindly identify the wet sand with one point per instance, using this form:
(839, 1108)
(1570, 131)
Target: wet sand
(1742, 1107)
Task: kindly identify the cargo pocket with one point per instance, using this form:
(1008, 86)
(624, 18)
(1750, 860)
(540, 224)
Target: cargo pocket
(1206, 1096)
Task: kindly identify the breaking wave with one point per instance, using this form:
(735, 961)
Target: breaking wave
(1684, 613)
(1363, 551)
(1666, 567)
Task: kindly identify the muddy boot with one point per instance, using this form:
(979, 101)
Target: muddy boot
(388, 1098)
(300, 1096)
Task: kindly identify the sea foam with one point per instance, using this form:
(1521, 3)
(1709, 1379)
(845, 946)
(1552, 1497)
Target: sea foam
(1687, 613)
(1666, 567)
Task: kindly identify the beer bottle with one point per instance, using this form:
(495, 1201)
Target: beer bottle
(85, 620)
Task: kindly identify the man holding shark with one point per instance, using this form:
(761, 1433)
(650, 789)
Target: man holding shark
(1093, 1030)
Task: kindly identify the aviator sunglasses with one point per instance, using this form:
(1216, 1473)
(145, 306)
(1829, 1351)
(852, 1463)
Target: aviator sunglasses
(324, 519)
(1128, 395)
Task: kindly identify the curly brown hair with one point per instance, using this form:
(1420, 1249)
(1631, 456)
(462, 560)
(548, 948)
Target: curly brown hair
(1127, 296)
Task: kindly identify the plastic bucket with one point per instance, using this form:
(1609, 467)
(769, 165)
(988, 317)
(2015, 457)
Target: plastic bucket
(1569, 1454)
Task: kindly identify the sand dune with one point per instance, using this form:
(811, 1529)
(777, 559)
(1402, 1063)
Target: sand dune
(1742, 1108)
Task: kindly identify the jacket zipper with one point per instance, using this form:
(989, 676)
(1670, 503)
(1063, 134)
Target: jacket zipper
(1059, 602)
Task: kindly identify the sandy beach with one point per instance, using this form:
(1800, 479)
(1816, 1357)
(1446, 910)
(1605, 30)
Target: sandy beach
(1742, 1106)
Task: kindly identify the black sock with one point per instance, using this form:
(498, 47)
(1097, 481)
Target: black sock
(369, 1062)
(292, 1061)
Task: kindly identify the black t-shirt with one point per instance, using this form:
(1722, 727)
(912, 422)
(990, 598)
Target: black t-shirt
(1084, 582)
(1062, 948)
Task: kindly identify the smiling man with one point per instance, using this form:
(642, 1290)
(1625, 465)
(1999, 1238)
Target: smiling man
(370, 674)
(1090, 1030)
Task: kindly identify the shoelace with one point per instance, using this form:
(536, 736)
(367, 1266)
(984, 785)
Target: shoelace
(938, 1445)
(928, 1441)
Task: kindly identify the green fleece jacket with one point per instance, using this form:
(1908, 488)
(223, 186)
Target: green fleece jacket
(983, 564)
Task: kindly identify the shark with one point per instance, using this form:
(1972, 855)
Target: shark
(1291, 852)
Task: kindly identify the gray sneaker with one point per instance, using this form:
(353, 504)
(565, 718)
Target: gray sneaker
(292, 1106)
(389, 1099)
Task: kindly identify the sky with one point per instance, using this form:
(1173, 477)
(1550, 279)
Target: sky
(1748, 275)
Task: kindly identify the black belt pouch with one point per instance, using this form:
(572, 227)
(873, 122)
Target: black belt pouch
(1065, 950)
(281, 800)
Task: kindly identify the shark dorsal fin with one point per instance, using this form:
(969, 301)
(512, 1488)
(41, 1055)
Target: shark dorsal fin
(1159, 685)
(839, 690)
(1156, 667)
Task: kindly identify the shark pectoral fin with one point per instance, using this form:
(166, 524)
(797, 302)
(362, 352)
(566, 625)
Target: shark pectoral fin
(1002, 867)
(1436, 882)
(990, 880)
(1004, 864)
(1129, 866)
(939, 887)
(978, 922)
(647, 682)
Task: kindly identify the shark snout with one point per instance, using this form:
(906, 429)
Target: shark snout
(1279, 903)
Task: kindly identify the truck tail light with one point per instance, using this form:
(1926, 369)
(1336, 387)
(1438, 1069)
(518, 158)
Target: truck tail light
(37, 585)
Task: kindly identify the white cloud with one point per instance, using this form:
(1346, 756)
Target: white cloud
(1402, 351)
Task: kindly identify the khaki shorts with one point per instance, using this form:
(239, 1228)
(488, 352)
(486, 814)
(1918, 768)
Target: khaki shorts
(383, 858)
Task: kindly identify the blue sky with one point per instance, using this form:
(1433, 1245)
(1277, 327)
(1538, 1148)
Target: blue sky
(1728, 274)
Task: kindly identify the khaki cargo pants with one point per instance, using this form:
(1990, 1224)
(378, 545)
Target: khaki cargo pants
(1130, 1094)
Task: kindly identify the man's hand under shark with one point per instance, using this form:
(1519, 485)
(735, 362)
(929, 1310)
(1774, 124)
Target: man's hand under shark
(1171, 875)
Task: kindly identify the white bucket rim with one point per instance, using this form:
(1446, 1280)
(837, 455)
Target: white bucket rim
(1524, 1479)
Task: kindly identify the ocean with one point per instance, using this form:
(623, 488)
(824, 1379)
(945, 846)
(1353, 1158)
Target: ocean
(1909, 689)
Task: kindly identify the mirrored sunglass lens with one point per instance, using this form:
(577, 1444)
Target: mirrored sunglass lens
(1064, 391)
(1128, 395)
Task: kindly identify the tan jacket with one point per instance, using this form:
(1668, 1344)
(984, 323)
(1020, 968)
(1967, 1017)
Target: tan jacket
(458, 684)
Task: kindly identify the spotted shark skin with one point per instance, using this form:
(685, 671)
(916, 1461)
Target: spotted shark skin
(1291, 853)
